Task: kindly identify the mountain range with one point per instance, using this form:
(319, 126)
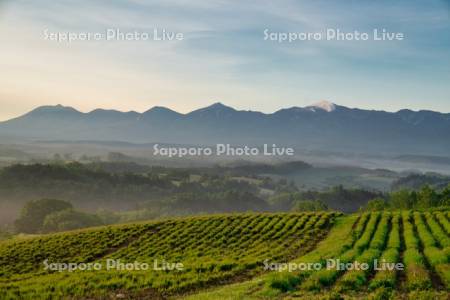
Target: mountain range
(322, 126)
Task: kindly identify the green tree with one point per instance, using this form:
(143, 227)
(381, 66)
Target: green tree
(69, 219)
(309, 205)
(34, 212)
(376, 204)
(401, 199)
(427, 197)
(282, 201)
(444, 197)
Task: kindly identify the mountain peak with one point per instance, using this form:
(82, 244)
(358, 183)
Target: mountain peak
(323, 105)
(160, 109)
(159, 113)
(217, 109)
(218, 106)
(53, 108)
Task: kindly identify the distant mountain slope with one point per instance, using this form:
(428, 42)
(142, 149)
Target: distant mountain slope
(323, 126)
(417, 181)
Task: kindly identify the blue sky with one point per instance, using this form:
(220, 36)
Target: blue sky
(223, 56)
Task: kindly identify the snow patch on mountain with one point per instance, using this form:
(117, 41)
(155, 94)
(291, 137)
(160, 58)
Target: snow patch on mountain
(323, 105)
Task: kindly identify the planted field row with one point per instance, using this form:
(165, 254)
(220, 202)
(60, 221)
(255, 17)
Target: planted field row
(211, 249)
(21, 256)
(405, 252)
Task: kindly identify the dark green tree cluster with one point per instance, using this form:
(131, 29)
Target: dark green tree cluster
(33, 214)
(49, 215)
(336, 198)
(308, 205)
(69, 219)
(425, 198)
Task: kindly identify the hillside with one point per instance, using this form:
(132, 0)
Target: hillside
(120, 187)
(213, 250)
(416, 181)
(239, 256)
(320, 126)
(419, 241)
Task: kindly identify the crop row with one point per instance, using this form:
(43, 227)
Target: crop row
(417, 241)
(212, 249)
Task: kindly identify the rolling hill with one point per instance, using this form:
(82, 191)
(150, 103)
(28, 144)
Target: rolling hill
(237, 256)
(212, 250)
(417, 240)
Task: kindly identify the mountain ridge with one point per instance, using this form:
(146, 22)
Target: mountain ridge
(323, 105)
(324, 125)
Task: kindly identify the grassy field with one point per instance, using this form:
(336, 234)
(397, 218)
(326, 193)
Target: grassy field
(226, 257)
(213, 250)
(418, 240)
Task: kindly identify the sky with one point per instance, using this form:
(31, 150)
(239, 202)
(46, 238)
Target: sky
(223, 56)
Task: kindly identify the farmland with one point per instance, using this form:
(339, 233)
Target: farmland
(407, 254)
(418, 240)
(213, 250)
